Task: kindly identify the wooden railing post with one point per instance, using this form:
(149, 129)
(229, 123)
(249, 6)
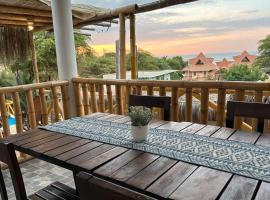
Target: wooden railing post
(4, 115)
(175, 107)
(65, 99)
(110, 98)
(258, 98)
(44, 109)
(55, 104)
(204, 105)
(92, 89)
(119, 100)
(18, 112)
(78, 99)
(101, 98)
(139, 90)
(239, 96)
(128, 88)
(85, 98)
(150, 90)
(221, 107)
(188, 111)
(31, 109)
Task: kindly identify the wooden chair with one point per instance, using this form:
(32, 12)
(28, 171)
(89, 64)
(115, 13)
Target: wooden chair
(94, 188)
(55, 191)
(152, 101)
(260, 111)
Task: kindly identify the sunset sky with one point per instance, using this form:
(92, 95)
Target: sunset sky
(207, 25)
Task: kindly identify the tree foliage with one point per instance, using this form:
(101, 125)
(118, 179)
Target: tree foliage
(243, 73)
(263, 60)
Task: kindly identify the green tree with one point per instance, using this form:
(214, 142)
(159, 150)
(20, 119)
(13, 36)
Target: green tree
(243, 73)
(263, 60)
(7, 78)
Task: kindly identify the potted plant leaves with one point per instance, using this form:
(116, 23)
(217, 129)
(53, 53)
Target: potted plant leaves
(140, 118)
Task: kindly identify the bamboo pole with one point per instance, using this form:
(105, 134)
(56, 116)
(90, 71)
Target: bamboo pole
(65, 99)
(110, 99)
(85, 99)
(239, 96)
(128, 90)
(101, 98)
(31, 109)
(4, 115)
(175, 107)
(78, 99)
(119, 100)
(55, 104)
(204, 105)
(34, 55)
(188, 113)
(92, 89)
(139, 90)
(133, 57)
(150, 90)
(221, 107)
(162, 91)
(18, 112)
(44, 109)
(122, 41)
(258, 98)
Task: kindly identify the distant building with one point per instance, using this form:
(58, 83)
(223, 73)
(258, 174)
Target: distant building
(244, 58)
(200, 68)
(146, 75)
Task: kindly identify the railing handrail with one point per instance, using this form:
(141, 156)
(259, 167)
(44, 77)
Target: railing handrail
(238, 85)
(33, 86)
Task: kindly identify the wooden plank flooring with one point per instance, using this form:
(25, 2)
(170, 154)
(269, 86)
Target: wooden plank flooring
(151, 174)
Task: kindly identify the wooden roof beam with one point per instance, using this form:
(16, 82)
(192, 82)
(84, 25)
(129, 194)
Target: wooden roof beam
(4, 22)
(25, 11)
(25, 18)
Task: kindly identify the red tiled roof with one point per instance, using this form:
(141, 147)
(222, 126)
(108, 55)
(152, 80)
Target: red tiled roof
(201, 57)
(239, 59)
(224, 63)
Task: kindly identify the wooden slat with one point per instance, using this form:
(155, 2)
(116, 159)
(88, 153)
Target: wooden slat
(31, 109)
(86, 106)
(116, 164)
(4, 115)
(44, 109)
(245, 137)
(175, 107)
(133, 167)
(171, 180)
(150, 90)
(101, 104)
(42, 141)
(110, 98)
(149, 174)
(175, 126)
(205, 181)
(55, 104)
(258, 98)
(263, 192)
(32, 137)
(208, 130)
(92, 89)
(188, 108)
(18, 112)
(221, 107)
(193, 128)
(204, 105)
(139, 90)
(223, 133)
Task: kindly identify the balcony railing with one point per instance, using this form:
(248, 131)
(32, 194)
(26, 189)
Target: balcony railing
(112, 96)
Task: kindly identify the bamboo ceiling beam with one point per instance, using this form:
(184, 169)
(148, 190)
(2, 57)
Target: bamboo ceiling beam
(24, 11)
(21, 23)
(20, 17)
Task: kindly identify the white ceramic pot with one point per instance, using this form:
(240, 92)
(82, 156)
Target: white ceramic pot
(139, 133)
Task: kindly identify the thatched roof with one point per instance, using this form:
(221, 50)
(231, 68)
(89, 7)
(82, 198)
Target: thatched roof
(38, 13)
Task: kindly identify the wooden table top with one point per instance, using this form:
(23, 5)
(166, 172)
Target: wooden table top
(154, 175)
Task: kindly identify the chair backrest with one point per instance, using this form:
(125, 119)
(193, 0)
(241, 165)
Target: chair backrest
(260, 111)
(152, 101)
(92, 188)
(8, 156)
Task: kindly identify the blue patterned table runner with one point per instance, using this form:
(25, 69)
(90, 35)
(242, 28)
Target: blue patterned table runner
(230, 156)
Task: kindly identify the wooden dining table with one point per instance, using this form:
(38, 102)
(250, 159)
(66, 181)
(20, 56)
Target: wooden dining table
(151, 174)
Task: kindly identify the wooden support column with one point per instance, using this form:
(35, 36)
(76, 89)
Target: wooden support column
(4, 115)
(34, 55)
(133, 52)
(122, 41)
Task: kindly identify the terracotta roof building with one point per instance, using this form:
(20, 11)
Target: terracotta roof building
(200, 68)
(224, 64)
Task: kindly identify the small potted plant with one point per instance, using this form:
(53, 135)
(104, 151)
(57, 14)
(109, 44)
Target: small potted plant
(140, 118)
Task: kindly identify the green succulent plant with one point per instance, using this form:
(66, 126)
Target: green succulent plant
(140, 115)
